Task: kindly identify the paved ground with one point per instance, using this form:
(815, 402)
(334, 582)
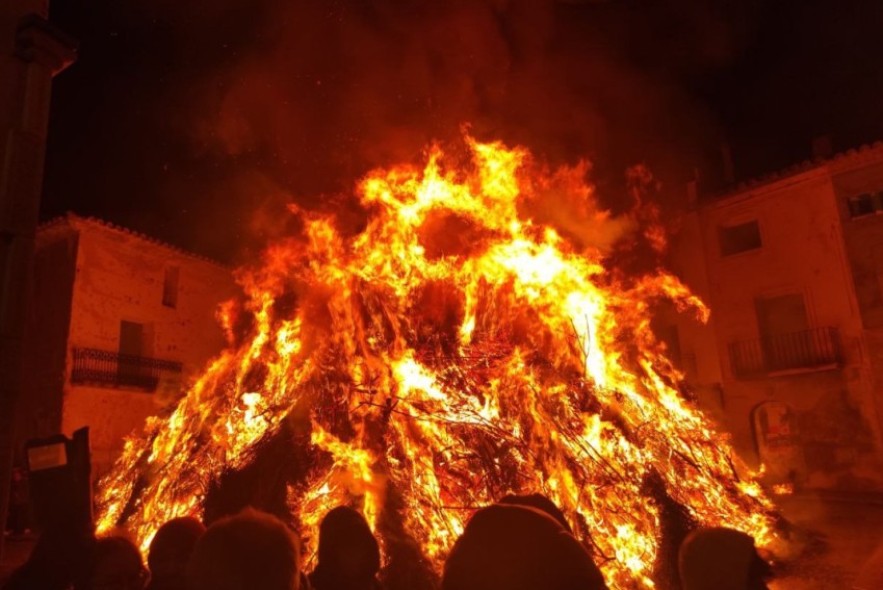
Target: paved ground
(840, 535)
(837, 536)
(15, 552)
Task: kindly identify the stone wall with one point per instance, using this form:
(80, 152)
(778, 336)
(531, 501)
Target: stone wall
(863, 237)
(827, 435)
(45, 342)
(700, 362)
(120, 276)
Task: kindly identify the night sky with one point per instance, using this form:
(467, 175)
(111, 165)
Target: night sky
(196, 121)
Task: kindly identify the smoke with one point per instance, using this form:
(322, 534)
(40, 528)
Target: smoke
(570, 205)
(264, 102)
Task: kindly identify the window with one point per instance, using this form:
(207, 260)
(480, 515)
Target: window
(865, 204)
(170, 286)
(134, 367)
(736, 239)
(785, 339)
(132, 339)
(783, 314)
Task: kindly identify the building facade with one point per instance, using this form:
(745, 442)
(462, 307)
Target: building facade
(120, 324)
(791, 362)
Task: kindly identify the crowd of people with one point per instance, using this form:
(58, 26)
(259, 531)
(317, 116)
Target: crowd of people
(520, 543)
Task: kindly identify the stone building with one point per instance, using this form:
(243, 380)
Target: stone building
(791, 362)
(119, 325)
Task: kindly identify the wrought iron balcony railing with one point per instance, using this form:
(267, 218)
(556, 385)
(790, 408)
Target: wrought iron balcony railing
(104, 368)
(807, 349)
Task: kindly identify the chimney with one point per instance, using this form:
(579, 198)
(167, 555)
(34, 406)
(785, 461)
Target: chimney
(693, 189)
(822, 147)
(727, 161)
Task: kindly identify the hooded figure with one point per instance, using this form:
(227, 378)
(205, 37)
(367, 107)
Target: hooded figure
(349, 557)
(60, 559)
(117, 565)
(169, 552)
(509, 547)
(721, 559)
(250, 551)
(541, 503)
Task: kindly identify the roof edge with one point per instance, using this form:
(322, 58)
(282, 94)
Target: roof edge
(838, 159)
(71, 218)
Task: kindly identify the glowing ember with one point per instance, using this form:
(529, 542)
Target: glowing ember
(456, 350)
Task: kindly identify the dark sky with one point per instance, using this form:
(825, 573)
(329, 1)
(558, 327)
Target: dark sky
(195, 121)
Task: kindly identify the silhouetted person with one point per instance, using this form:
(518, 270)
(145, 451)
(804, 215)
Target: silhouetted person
(721, 559)
(170, 551)
(509, 547)
(541, 503)
(117, 565)
(60, 560)
(349, 557)
(250, 551)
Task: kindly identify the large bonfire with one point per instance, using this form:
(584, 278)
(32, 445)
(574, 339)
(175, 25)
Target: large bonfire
(455, 350)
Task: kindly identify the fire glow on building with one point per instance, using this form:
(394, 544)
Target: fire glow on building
(455, 350)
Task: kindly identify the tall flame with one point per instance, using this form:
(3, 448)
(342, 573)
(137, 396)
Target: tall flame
(453, 351)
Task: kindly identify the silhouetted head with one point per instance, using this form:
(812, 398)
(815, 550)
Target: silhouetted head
(60, 559)
(348, 553)
(510, 547)
(250, 551)
(721, 559)
(117, 565)
(541, 503)
(170, 550)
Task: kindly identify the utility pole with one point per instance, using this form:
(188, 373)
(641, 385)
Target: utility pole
(32, 51)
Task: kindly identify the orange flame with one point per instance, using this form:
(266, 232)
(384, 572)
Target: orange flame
(474, 352)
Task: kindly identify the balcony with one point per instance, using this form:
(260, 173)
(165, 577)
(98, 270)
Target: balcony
(104, 368)
(806, 350)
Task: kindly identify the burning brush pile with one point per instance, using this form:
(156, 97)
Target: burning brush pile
(457, 349)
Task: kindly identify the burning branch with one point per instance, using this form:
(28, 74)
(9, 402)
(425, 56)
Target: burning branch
(417, 377)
